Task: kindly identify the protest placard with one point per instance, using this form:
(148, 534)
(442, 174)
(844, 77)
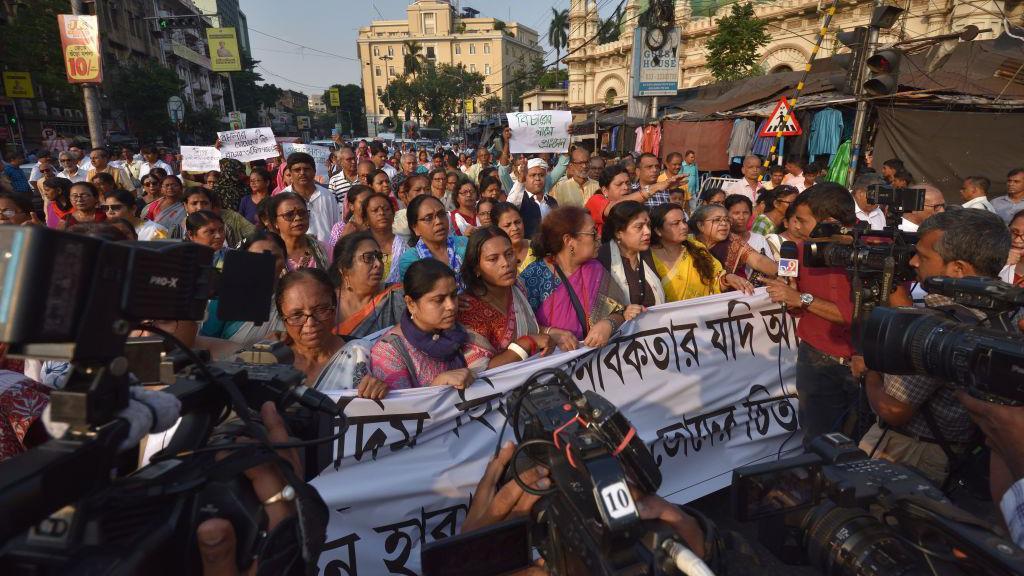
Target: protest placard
(248, 144)
(319, 153)
(540, 131)
(200, 158)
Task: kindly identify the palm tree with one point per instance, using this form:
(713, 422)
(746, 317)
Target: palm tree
(412, 60)
(558, 32)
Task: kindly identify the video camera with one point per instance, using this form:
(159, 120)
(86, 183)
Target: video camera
(587, 523)
(988, 361)
(74, 504)
(875, 260)
(847, 514)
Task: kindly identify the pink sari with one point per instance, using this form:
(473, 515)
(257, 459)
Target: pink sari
(552, 305)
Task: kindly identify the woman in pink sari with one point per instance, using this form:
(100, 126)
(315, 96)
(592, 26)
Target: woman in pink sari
(567, 287)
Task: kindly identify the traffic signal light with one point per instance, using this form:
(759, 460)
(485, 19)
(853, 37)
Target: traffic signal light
(884, 67)
(12, 120)
(845, 81)
(172, 22)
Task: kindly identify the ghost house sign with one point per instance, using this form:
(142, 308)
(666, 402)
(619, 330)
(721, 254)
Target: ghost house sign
(656, 71)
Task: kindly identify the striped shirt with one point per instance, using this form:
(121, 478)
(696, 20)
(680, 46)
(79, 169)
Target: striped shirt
(1012, 507)
(339, 185)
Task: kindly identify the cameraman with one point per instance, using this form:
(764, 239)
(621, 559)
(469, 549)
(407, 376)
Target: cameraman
(922, 424)
(821, 299)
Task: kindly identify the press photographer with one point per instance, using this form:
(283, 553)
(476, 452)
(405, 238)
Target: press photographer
(922, 424)
(821, 299)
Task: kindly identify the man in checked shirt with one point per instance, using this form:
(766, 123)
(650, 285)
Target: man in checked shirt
(921, 420)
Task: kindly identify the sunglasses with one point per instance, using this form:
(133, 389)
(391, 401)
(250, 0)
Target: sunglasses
(294, 215)
(112, 207)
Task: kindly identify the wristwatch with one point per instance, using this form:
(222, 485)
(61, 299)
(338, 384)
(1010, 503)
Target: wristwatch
(806, 299)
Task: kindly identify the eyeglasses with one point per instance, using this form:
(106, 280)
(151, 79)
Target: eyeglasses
(294, 215)
(592, 234)
(1016, 234)
(112, 207)
(940, 206)
(429, 218)
(717, 221)
(369, 257)
(486, 213)
(321, 314)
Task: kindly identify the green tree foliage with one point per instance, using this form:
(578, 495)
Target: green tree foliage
(200, 125)
(492, 105)
(142, 92)
(351, 107)
(733, 51)
(440, 91)
(611, 27)
(558, 32)
(30, 42)
(398, 97)
(412, 60)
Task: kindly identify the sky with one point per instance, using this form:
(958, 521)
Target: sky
(332, 26)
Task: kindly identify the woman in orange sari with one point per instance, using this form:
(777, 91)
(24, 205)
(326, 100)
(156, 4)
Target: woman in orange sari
(357, 271)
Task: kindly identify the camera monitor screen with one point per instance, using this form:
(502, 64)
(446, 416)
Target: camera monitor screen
(766, 489)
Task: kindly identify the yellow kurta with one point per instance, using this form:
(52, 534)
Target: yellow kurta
(568, 193)
(683, 281)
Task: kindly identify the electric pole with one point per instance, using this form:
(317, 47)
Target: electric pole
(91, 95)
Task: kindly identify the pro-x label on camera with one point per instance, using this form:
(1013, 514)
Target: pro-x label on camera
(617, 500)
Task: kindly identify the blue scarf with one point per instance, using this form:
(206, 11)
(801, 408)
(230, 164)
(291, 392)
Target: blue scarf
(443, 346)
(454, 260)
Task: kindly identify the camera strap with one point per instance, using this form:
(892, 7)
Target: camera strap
(581, 317)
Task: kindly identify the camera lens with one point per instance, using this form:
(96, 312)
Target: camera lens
(849, 541)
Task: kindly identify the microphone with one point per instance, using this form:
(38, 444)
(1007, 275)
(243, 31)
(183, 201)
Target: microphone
(789, 260)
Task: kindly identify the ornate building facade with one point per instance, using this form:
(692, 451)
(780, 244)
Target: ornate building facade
(600, 73)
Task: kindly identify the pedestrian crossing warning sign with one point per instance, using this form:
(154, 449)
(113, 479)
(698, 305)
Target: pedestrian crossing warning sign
(782, 122)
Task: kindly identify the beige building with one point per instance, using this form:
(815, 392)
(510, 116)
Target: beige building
(494, 48)
(600, 73)
(541, 99)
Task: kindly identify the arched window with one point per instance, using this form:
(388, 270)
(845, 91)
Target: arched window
(610, 95)
(781, 68)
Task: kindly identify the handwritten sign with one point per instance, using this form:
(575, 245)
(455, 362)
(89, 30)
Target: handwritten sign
(200, 158)
(319, 153)
(248, 144)
(540, 131)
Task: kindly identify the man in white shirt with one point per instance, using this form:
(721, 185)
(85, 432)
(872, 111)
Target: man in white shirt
(974, 192)
(794, 173)
(866, 211)
(324, 211)
(84, 162)
(576, 188)
(70, 169)
(43, 169)
(934, 202)
(751, 183)
(151, 159)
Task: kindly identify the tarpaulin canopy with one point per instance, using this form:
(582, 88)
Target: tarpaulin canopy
(933, 146)
(708, 139)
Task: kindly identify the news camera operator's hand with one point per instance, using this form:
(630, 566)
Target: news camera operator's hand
(782, 293)
(654, 507)
(491, 504)
(216, 536)
(1003, 427)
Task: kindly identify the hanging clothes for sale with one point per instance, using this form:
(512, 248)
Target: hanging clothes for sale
(761, 145)
(742, 138)
(797, 145)
(840, 166)
(826, 130)
(638, 147)
(651, 139)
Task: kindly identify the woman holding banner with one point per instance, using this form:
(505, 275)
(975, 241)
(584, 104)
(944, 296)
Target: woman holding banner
(289, 218)
(167, 210)
(711, 225)
(357, 271)
(567, 287)
(687, 270)
(426, 347)
(495, 311)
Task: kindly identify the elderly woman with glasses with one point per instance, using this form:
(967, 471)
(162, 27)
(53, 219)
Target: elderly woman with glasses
(85, 199)
(121, 204)
(307, 303)
(711, 226)
(289, 218)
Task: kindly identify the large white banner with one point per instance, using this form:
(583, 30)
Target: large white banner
(200, 159)
(248, 144)
(708, 383)
(539, 131)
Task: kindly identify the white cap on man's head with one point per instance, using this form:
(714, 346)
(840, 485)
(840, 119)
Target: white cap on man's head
(536, 163)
